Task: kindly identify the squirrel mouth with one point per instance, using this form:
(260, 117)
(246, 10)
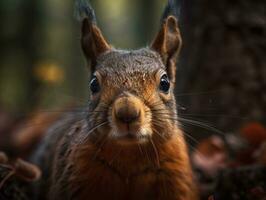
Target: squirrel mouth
(132, 139)
(129, 136)
(134, 136)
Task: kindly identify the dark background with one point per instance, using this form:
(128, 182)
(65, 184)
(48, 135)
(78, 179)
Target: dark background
(221, 72)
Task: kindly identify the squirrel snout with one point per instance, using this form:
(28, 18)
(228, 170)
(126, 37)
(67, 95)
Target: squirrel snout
(127, 109)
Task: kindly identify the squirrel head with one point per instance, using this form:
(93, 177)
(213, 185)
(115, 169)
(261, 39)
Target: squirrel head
(132, 91)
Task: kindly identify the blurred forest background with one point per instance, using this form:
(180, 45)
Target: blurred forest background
(220, 88)
(41, 61)
(222, 73)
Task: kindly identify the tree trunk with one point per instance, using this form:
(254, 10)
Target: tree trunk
(223, 70)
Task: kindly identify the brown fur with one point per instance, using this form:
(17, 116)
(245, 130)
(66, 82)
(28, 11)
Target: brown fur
(133, 173)
(88, 157)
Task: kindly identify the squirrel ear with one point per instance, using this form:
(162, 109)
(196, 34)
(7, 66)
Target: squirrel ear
(168, 43)
(92, 42)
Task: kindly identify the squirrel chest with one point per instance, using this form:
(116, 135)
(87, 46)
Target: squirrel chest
(114, 173)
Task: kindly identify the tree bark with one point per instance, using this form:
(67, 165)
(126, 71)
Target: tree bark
(224, 64)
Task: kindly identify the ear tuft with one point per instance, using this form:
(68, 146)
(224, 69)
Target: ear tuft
(83, 10)
(173, 8)
(92, 41)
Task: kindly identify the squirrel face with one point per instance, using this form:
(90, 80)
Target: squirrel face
(132, 92)
(129, 145)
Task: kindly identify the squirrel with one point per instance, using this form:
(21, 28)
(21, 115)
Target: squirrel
(126, 144)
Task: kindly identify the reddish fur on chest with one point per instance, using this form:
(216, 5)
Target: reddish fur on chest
(132, 172)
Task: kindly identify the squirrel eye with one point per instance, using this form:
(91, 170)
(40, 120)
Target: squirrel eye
(94, 85)
(164, 83)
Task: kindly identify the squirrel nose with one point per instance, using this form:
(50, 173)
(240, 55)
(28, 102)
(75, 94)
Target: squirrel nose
(127, 110)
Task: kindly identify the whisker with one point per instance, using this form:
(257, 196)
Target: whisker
(214, 115)
(37, 112)
(190, 136)
(46, 123)
(100, 146)
(197, 93)
(185, 133)
(147, 155)
(157, 132)
(140, 149)
(92, 130)
(202, 125)
(155, 151)
(30, 122)
(115, 156)
(192, 122)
